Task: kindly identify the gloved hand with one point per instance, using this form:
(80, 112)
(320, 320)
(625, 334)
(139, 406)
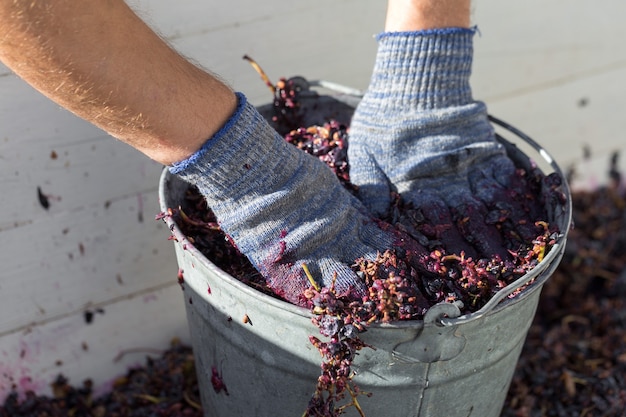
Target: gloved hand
(418, 132)
(284, 208)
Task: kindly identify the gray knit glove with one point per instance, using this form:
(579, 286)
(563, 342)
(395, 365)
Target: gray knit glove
(418, 132)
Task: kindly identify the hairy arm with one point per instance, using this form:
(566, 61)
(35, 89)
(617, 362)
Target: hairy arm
(102, 62)
(410, 15)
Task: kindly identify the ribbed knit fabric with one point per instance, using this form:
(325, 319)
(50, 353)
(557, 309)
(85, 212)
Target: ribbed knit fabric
(419, 132)
(282, 207)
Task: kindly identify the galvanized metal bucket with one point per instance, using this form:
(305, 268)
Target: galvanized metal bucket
(253, 354)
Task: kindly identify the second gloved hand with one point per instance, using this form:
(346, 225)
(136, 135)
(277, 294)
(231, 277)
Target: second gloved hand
(418, 132)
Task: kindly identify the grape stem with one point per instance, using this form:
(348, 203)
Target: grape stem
(191, 402)
(262, 73)
(355, 402)
(314, 284)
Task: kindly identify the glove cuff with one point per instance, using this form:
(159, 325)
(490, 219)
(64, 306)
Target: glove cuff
(422, 70)
(228, 163)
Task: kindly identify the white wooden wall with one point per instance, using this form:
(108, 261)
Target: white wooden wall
(96, 248)
(557, 70)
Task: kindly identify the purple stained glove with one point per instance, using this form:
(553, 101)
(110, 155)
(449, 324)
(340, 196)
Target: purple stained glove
(419, 133)
(284, 208)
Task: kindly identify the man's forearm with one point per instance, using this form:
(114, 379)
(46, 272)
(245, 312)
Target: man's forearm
(412, 15)
(99, 60)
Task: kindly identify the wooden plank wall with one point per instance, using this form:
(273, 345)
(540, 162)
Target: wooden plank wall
(555, 69)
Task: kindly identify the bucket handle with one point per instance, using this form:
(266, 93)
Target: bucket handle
(441, 343)
(338, 88)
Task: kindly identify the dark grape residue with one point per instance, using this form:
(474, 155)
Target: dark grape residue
(165, 386)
